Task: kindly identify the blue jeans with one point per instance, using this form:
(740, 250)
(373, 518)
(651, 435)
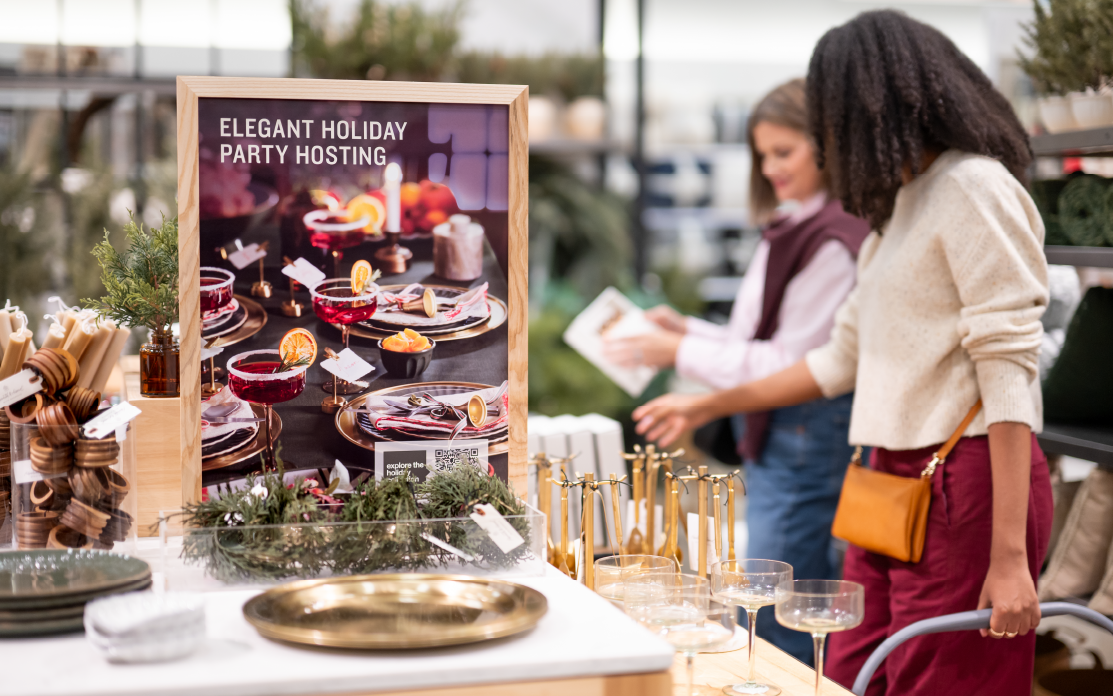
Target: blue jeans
(791, 496)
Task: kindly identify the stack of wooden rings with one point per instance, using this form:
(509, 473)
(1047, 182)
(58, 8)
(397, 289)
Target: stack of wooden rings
(78, 503)
(33, 528)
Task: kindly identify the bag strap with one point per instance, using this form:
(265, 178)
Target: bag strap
(941, 454)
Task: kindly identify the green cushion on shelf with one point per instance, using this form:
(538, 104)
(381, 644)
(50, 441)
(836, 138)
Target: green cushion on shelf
(1082, 211)
(1079, 386)
(1046, 194)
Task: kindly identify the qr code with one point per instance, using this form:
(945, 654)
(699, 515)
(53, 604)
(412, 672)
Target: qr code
(451, 457)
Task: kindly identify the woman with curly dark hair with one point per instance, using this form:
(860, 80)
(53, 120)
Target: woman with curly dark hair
(951, 287)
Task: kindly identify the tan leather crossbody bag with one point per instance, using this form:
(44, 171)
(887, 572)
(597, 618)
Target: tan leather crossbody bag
(885, 513)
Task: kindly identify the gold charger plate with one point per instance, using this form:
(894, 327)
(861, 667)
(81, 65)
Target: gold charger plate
(256, 320)
(253, 448)
(497, 319)
(395, 612)
(348, 427)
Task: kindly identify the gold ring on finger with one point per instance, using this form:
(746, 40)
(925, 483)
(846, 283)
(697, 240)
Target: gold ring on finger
(1010, 634)
(996, 634)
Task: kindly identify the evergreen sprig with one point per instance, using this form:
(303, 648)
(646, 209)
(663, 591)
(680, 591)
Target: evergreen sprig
(1071, 43)
(142, 282)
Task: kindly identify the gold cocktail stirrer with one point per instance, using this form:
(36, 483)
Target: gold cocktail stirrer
(617, 541)
(730, 518)
(545, 499)
(718, 519)
(562, 556)
(666, 464)
(652, 466)
(672, 549)
(634, 540)
(701, 554)
(588, 531)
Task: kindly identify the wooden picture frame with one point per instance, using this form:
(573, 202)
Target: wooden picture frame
(191, 89)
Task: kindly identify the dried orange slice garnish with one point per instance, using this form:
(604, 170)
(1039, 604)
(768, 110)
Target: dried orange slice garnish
(407, 341)
(372, 207)
(361, 276)
(298, 345)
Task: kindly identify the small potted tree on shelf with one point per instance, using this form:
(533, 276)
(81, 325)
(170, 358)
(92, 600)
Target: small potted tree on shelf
(1071, 63)
(142, 285)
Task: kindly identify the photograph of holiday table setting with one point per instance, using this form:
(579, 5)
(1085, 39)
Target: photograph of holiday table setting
(387, 253)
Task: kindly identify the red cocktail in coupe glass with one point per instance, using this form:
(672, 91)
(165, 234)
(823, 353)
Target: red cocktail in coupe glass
(216, 288)
(333, 232)
(253, 376)
(335, 303)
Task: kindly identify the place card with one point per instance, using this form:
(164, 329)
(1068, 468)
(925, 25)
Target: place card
(19, 386)
(347, 366)
(207, 352)
(243, 258)
(112, 419)
(501, 532)
(304, 272)
(23, 472)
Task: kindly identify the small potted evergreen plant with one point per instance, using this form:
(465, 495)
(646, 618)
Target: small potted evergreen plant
(142, 285)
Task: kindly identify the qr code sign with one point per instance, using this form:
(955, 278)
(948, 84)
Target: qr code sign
(445, 458)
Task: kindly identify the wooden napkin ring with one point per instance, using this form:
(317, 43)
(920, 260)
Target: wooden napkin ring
(57, 368)
(84, 518)
(62, 537)
(83, 402)
(26, 411)
(57, 424)
(118, 485)
(117, 528)
(42, 495)
(61, 487)
(90, 486)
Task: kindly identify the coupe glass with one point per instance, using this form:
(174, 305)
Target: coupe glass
(216, 292)
(252, 377)
(750, 584)
(216, 288)
(644, 594)
(331, 231)
(611, 572)
(820, 607)
(335, 303)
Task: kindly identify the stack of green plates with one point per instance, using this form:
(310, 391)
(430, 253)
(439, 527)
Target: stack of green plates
(44, 591)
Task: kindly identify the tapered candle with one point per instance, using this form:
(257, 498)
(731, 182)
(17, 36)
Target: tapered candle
(13, 353)
(55, 336)
(392, 187)
(80, 338)
(110, 359)
(90, 361)
(68, 318)
(5, 330)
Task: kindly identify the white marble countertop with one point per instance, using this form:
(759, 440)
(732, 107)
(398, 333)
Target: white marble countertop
(582, 635)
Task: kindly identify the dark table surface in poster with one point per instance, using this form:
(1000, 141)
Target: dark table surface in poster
(309, 437)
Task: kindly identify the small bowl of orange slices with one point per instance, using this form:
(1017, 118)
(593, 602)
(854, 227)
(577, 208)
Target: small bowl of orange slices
(406, 353)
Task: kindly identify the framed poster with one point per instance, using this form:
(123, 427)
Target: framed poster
(381, 225)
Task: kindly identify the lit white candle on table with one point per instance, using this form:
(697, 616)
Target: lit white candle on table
(90, 361)
(392, 187)
(110, 359)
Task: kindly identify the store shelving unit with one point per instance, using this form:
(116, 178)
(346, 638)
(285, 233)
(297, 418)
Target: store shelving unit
(1092, 443)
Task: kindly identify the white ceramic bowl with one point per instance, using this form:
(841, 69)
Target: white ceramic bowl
(542, 118)
(586, 119)
(1057, 115)
(1092, 110)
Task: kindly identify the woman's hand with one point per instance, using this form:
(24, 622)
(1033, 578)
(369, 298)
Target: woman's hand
(1010, 591)
(666, 418)
(668, 319)
(657, 349)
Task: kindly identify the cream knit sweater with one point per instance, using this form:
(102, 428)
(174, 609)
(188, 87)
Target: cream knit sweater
(947, 309)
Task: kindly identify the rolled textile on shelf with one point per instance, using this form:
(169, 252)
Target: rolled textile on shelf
(110, 359)
(1046, 194)
(1082, 212)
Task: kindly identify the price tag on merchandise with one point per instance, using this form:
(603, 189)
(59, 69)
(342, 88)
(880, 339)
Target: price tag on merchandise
(111, 420)
(693, 540)
(447, 547)
(347, 366)
(304, 272)
(23, 472)
(501, 532)
(19, 386)
(244, 257)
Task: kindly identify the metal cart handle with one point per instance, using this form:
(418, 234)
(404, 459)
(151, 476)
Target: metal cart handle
(963, 621)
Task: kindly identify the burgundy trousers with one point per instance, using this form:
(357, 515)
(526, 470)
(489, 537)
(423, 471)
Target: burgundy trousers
(948, 579)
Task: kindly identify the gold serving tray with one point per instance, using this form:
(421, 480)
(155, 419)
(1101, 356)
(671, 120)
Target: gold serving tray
(497, 319)
(253, 448)
(256, 320)
(395, 612)
(347, 426)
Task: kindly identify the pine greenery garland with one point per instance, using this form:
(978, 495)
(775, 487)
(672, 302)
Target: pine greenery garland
(142, 282)
(1071, 43)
